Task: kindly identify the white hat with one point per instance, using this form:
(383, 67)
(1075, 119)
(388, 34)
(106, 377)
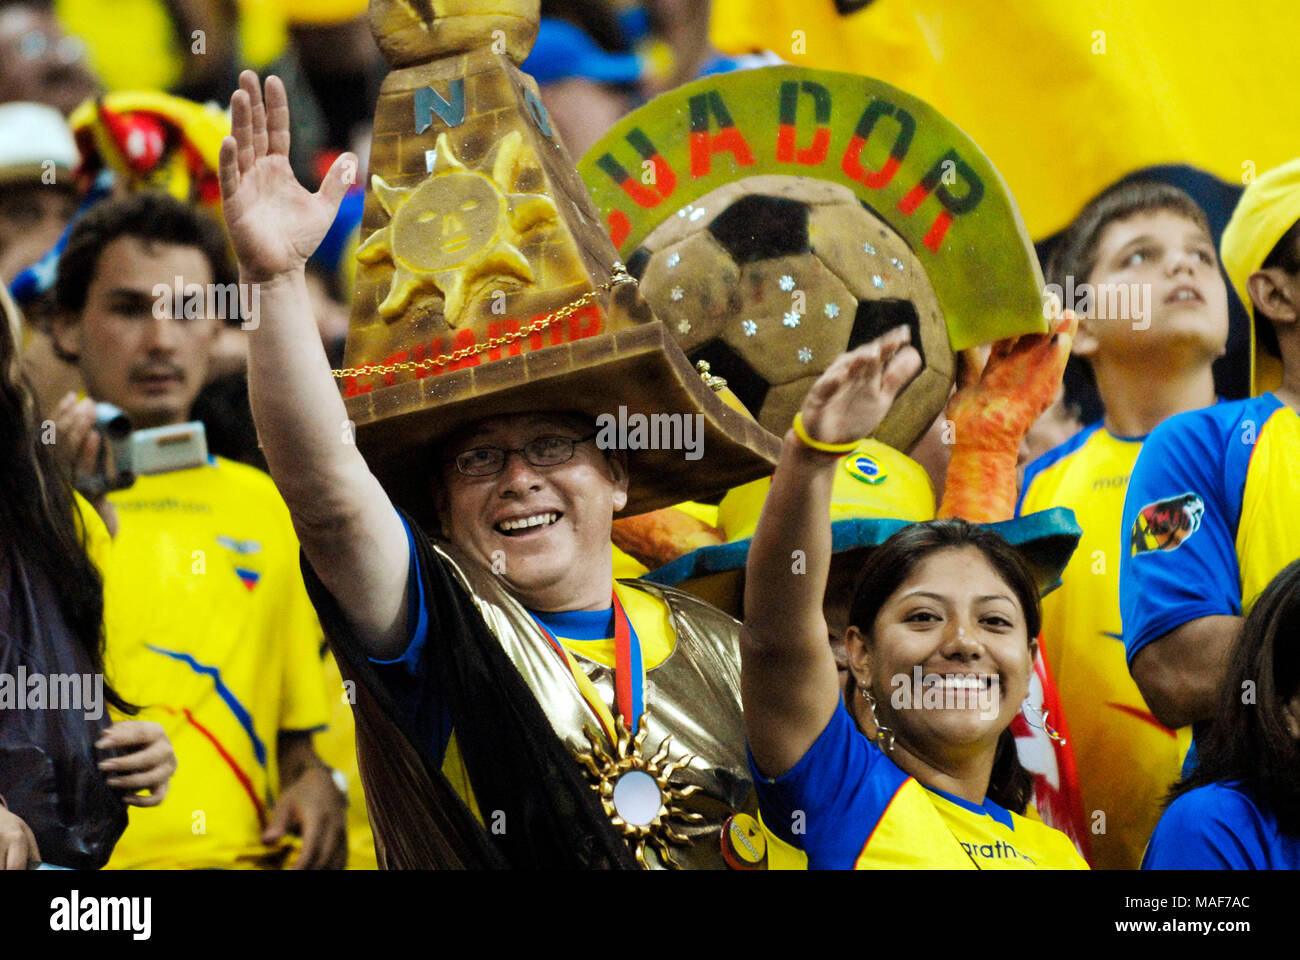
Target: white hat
(33, 135)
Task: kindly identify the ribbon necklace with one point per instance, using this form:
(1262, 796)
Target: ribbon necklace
(629, 675)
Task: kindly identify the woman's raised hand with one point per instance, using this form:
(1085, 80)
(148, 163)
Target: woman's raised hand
(851, 398)
(275, 223)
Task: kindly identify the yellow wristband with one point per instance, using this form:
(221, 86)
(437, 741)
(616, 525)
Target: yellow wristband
(838, 449)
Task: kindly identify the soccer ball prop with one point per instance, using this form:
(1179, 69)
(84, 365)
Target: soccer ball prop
(770, 278)
(776, 217)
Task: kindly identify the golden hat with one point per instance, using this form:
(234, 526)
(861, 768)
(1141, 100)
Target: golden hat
(486, 284)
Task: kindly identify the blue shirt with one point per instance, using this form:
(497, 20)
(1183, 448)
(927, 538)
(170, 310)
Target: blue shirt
(1218, 827)
(413, 685)
(847, 805)
(1209, 516)
(408, 680)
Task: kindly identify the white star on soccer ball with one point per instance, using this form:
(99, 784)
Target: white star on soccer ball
(786, 282)
(750, 328)
(791, 319)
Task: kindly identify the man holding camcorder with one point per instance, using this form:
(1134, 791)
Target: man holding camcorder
(211, 625)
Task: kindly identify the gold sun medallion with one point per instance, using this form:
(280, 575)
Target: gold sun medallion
(637, 793)
(455, 229)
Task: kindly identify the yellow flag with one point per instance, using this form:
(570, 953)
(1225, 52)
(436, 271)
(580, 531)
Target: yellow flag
(1065, 98)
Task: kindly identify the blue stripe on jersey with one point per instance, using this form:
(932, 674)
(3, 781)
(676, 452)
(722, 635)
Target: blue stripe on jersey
(1051, 458)
(227, 695)
(987, 807)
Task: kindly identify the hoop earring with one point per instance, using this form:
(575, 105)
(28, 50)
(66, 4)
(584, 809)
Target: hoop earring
(884, 736)
(1042, 723)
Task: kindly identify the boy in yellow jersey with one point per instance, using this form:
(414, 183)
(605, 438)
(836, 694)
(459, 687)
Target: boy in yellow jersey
(1140, 263)
(212, 626)
(1210, 515)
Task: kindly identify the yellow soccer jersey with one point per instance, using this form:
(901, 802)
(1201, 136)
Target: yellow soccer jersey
(139, 46)
(848, 806)
(99, 545)
(1126, 759)
(337, 747)
(213, 633)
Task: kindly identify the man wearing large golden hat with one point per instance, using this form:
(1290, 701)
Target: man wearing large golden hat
(515, 706)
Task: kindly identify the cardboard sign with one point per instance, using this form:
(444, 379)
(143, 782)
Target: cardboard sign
(910, 165)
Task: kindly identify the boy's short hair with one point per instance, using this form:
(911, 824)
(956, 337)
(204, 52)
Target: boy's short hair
(150, 217)
(1075, 254)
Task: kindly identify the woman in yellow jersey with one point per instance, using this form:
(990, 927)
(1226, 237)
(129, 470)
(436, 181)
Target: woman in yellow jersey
(65, 768)
(941, 647)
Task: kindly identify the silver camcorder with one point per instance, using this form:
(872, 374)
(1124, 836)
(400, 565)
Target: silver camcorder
(125, 454)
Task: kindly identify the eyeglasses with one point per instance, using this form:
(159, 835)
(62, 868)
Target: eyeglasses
(542, 452)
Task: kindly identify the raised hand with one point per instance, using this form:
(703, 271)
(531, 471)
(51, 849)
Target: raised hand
(275, 223)
(996, 405)
(852, 396)
(991, 413)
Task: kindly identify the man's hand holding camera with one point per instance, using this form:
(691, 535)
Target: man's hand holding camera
(81, 449)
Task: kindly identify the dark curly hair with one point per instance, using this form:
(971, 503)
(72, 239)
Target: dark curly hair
(152, 218)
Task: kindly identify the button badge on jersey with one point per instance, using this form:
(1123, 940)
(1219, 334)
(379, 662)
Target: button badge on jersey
(744, 847)
(243, 548)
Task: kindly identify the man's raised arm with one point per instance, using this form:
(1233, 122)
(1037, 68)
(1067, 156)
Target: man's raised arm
(344, 519)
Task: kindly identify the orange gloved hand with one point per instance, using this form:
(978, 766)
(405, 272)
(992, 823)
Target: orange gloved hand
(998, 401)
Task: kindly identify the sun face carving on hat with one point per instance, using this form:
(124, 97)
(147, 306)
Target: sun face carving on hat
(456, 231)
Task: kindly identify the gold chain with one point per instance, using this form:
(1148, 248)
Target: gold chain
(617, 276)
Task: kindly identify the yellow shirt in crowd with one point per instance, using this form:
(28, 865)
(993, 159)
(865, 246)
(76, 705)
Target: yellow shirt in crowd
(1126, 758)
(210, 628)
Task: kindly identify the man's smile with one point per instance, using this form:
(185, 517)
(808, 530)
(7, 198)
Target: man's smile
(525, 524)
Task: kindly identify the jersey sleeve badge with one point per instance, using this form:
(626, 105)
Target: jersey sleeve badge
(1166, 524)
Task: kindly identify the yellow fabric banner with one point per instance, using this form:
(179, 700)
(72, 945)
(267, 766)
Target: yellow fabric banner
(1065, 98)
